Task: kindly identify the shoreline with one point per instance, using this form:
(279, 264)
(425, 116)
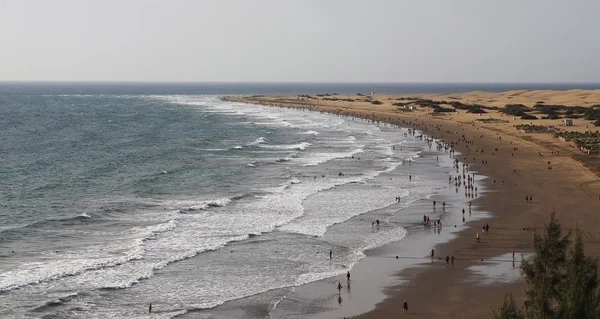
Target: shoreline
(319, 300)
(435, 292)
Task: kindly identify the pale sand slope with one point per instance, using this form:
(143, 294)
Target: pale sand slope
(569, 188)
(528, 98)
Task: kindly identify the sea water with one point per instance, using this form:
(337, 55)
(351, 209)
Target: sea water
(110, 202)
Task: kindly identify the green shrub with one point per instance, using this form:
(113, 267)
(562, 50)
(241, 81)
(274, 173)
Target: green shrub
(571, 135)
(439, 109)
(491, 120)
(528, 117)
(476, 110)
(515, 109)
(532, 128)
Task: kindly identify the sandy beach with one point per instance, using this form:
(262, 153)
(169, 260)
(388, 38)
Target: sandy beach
(558, 173)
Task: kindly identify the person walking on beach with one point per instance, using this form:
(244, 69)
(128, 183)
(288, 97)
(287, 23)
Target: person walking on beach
(150, 308)
(339, 287)
(330, 254)
(405, 307)
(477, 237)
(348, 275)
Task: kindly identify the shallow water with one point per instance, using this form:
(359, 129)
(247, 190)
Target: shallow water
(501, 269)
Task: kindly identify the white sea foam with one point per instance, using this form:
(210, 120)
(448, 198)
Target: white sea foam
(214, 149)
(300, 146)
(383, 238)
(75, 263)
(314, 159)
(192, 204)
(257, 141)
(335, 207)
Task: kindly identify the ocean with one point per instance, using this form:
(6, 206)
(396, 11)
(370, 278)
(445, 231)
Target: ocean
(113, 197)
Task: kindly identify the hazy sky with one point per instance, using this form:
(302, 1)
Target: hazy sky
(300, 40)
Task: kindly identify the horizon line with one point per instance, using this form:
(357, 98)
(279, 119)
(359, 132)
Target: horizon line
(288, 82)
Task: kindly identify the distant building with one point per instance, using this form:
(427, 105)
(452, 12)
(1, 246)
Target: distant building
(568, 122)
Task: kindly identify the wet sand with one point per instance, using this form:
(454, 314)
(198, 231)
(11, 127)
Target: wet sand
(569, 188)
(320, 300)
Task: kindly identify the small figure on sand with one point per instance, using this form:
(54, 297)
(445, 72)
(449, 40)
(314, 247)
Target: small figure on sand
(477, 237)
(330, 254)
(405, 307)
(348, 276)
(150, 308)
(339, 287)
(432, 253)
